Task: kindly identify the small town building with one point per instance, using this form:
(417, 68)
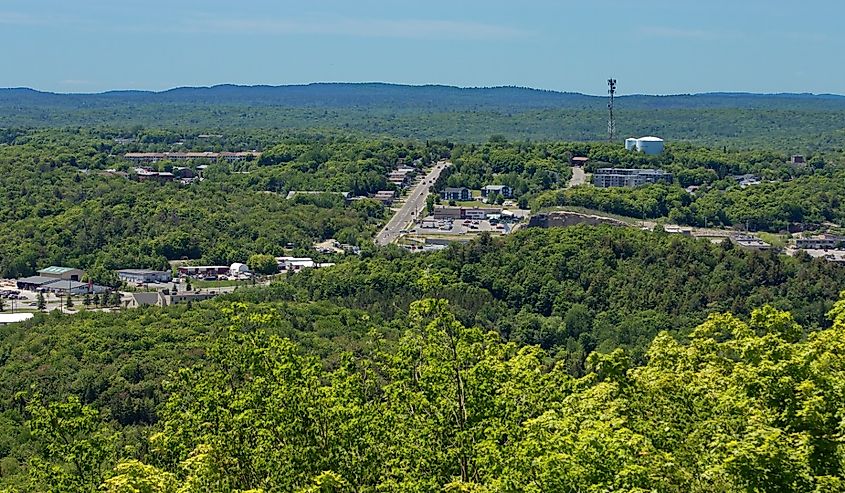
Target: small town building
(624, 177)
(239, 270)
(474, 213)
(503, 190)
(74, 288)
(400, 177)
(386, 197)
(64, 273)
(798, 159)
(144, 276)
(35, 283)
(750, 242)
(578, 161)
(820, 242)
(462, 194)
(295, 264)
(677, 230)
(747, 180)
(203, 270)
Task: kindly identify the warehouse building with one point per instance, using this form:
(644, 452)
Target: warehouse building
(35, 283)
(63, 273)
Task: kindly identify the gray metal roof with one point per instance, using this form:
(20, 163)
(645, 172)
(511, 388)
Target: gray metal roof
(39, 280)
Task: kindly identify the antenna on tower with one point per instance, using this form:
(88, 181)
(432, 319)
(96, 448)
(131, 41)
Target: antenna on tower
(611, 121)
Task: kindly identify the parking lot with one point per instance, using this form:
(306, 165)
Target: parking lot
(431, 226)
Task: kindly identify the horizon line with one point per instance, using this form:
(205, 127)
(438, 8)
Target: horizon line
(424, 85)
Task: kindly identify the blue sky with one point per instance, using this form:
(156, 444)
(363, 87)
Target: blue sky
(650, 46)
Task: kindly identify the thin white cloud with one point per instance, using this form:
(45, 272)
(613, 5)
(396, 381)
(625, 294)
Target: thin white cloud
(371, 28)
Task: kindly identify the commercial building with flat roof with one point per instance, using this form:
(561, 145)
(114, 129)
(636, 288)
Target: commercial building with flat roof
(820, 242)
(625, 177)
(33, 283)
(144, 276)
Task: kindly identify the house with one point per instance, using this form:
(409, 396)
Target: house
(798, 159)
(820, 242)
(144, 276)
(578, 161)
(626, 177)
(503, 190)
(184, 172)
(203, 270)
(745, 181)
(462, 194)
(63, 273)
(386, 197)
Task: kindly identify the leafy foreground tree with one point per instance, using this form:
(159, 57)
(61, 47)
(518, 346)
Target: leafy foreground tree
(742, 406)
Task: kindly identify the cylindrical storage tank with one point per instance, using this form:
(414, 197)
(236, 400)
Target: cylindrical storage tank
(630, 144)
(650, 145)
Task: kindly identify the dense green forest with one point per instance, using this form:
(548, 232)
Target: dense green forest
(806, 202)
(791, 122)
(577, 359)
(556, 359)
(59, 206)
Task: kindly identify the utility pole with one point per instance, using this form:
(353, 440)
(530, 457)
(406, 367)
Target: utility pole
(611, 121)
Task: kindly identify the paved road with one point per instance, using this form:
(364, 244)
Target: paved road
(413, 205)
(578, 176)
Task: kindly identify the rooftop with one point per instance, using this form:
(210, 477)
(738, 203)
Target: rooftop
(56, 270)
(38, 280)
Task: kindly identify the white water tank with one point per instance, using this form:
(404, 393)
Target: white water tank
(630, 144)
(650, 145)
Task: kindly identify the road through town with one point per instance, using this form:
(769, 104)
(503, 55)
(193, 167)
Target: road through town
(579, 177)
(413, 205)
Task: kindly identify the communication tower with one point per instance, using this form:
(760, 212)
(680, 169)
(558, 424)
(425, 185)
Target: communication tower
(611, 121)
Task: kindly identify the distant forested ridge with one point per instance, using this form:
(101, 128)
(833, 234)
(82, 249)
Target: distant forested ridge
(462, 114)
